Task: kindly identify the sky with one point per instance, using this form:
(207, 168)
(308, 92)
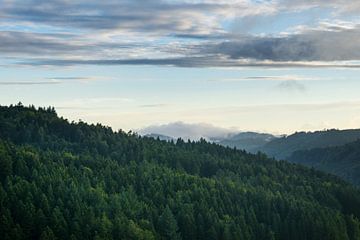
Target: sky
(275, 66)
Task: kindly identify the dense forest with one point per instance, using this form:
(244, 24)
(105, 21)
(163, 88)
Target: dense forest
(282, 148)
(343, 161)
(67, 180)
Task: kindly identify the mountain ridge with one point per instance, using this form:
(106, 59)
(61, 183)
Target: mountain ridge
(283, 147)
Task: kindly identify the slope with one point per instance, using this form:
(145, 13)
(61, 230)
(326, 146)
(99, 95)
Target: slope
(343, 161)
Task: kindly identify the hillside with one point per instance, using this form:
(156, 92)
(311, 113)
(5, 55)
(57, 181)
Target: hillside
(343, 161)
(62, 180)
(282, 148)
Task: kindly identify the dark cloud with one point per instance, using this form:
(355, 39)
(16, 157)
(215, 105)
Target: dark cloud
(275, 49)
(201, 36)
(187, 62)
(313, 45)
(15, 43)
(21, 43)
(180, 62)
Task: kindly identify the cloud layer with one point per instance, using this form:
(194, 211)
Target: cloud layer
(187, 33)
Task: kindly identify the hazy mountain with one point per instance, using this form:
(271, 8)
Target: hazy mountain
(159, 136)
(192, 131)
(249, 141)
(343, 161)
(282, 148)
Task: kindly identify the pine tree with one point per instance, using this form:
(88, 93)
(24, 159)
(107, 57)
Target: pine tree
(168, 225)
(47, 234)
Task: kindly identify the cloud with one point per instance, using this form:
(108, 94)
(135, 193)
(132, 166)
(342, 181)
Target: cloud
(159, 16)
(64, 46)
(159, 105)
(80, 79)
(70, 78)
(325, 46)
(337, 6)
(310, 45)
(291, 86)
(15, 43)
(183, 130)
(268, 78)
(51, 81)
(134, 15)
(184, 33)
(19, 83)
(191, 62)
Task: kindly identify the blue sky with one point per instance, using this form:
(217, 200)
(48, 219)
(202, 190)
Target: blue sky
(275, 66)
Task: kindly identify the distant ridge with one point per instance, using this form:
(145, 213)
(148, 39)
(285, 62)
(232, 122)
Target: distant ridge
(159, 136)
(249, 141)
(283, 147)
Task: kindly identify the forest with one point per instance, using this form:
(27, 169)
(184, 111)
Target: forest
(73, 180)
(284, 147)
(342, 161)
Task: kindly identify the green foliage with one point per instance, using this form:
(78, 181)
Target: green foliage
(77, 181)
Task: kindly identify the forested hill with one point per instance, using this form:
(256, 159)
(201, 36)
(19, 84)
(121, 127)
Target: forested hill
(343, 161)
(62, 180)
(282, 148)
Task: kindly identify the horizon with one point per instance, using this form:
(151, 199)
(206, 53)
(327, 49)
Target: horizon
(179, 129)
(275, 66)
